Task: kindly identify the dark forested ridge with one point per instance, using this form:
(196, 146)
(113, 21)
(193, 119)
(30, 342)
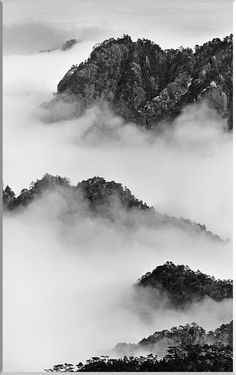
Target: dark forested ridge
(102, 197)
(146, 84)
(183, 286)
(99, 192)
(189, 348)
(96, 191)
(189, 334)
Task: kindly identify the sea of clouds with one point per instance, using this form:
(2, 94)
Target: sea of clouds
(68, 277)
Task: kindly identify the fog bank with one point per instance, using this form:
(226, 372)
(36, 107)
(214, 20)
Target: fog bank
(68, 276)
(68, 279)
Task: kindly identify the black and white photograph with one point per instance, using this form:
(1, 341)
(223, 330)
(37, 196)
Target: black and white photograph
(117, 182)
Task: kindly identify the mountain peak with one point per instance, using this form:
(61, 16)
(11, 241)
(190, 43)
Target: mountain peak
(183, 286)
(146, 84)
(96, 191)
(100, 192)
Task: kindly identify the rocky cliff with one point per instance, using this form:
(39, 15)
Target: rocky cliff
(146, 84)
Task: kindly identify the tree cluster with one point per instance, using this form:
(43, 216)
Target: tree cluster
(96, 191)
(184, 335)
(183, 286)
(215, 358)
(102, 197)
(100, 192)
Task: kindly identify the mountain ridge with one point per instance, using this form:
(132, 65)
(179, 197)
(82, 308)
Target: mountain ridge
(146, 84)
(186, 357)
(103, 198)
(188, 334)
(184, 286)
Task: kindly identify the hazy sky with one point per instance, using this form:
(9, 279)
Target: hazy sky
(169, 23)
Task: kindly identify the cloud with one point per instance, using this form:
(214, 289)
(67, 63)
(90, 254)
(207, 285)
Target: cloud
(186, 170)
(168, 24)
(31, 38)
(67, 278)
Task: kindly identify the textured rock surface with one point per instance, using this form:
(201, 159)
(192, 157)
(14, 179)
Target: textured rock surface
(147, 84)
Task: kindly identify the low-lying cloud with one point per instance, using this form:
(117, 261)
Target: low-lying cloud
(186, 169)
(31, 38)
(67, 278)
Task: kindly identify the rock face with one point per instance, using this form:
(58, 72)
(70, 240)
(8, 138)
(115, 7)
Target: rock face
(8, 198)
(147, 84)
(215, 98)
(190, 334)
(184, 286)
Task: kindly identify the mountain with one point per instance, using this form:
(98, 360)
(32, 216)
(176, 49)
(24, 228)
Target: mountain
(180, 286)
(106, 198)
(189, 334)
(96, 191)
(99, 192)
(183, 286)
(187, 348)
(146, 84)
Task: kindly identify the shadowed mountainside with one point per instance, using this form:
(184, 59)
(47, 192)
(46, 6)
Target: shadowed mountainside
(146, 84)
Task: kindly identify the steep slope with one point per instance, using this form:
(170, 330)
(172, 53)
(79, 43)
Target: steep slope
(146, 84)
(183, 286)
(107, 198)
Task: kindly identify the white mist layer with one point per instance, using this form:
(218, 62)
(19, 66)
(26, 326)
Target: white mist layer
(68, 280)
(66, 285)
(184, 172)
(166, 24)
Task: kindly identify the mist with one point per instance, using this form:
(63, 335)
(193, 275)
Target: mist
(167, 24)
(194, 156)
(68, 276)
(31, 38)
